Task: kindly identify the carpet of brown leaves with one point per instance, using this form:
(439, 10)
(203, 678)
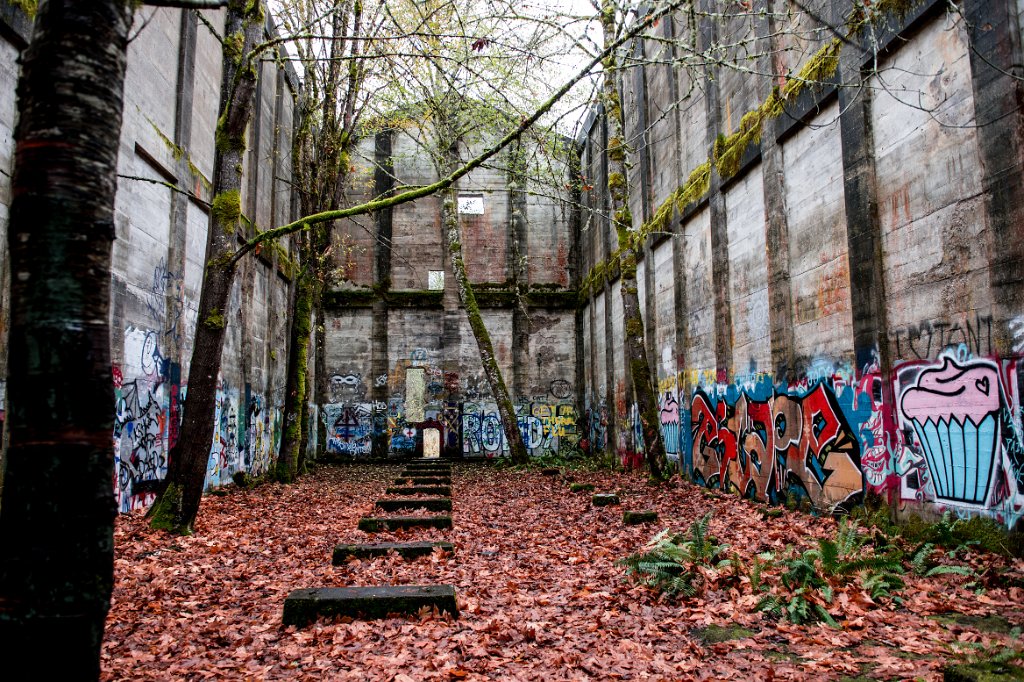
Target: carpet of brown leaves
(540, 595)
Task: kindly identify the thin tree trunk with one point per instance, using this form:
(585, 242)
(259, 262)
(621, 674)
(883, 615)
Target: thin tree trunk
(57, 516)
(176, 507)
(298, 349)
(618, 189)
(495, 380)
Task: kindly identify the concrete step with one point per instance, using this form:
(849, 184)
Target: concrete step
(635, 518)
(604, 499)
(428, 503)
(425, 474)
(433, 480)
(375, 524)
(406, 550)
(366, 603)
(442, 490)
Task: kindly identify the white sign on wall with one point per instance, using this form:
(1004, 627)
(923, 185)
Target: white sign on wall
(435, 280)
(471, 205)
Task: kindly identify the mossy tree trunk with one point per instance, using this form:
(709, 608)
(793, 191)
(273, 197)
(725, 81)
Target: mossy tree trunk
(177, 505)
(57, 515)
(618, 190)
(495, 380)
(287, 467)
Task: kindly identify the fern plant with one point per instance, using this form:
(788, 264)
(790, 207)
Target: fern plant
(921, 566)
(670, 563)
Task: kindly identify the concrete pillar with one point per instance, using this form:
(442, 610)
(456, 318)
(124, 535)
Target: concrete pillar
(383, 185)
(996, 55)
(719, 232)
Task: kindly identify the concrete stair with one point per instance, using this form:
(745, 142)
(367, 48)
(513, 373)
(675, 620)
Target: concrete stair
(428, 503)
(442, 490)
(376, 524)
(406, 550)
(304, 606)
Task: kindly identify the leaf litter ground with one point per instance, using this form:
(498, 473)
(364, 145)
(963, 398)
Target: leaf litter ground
(540, 595)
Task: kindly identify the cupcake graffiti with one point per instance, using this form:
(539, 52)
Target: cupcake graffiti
(961, 416)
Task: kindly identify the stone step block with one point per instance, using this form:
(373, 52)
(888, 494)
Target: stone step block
(433, 480)
(304, 606)
(604, 499)
(375, 524)
(442, 490)
(635, 518)
(406, 550)
(425, 474)
(428, 503)
(581, 487)
(550, 471)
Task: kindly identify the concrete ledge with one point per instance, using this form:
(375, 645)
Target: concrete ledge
(635, 518)
(442, 490)
(406, 550)
(428, 503)
(366, 603)
(426, 473)
(375, 524)
(604, 499)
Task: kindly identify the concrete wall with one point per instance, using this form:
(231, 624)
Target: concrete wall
(172, 97)
(400, 354)
(843, 315)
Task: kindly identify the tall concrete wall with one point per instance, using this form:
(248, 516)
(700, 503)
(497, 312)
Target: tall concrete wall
(400, 354)
(843, 315)
(172, 96)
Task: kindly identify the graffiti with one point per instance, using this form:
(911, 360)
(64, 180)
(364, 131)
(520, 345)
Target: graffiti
(597, 424)
(560, 389)
(451, 382)
(670, 425)
(418, 357)
(224, 460)
(381, 380)
(259, 436)
(166, 281)
(543, 427)
(931, 337)
(346, 388)
(959, 421)
(349, 428)
(140, 456)
(1017, 329)
(787, 444)
(451, 421)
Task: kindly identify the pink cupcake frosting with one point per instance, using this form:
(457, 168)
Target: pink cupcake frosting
(953, 392)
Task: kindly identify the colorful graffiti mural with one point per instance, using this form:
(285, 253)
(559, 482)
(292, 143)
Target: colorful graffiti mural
(771, 446)
(349, 428)
(959, 420)
(544, 427)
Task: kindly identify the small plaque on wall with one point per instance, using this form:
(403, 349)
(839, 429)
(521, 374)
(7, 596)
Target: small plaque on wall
(435, 280)
(471, 204)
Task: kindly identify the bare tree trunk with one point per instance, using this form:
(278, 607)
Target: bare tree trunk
(57, 516)
(618, 189)
(176, 507)
(496, 382)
